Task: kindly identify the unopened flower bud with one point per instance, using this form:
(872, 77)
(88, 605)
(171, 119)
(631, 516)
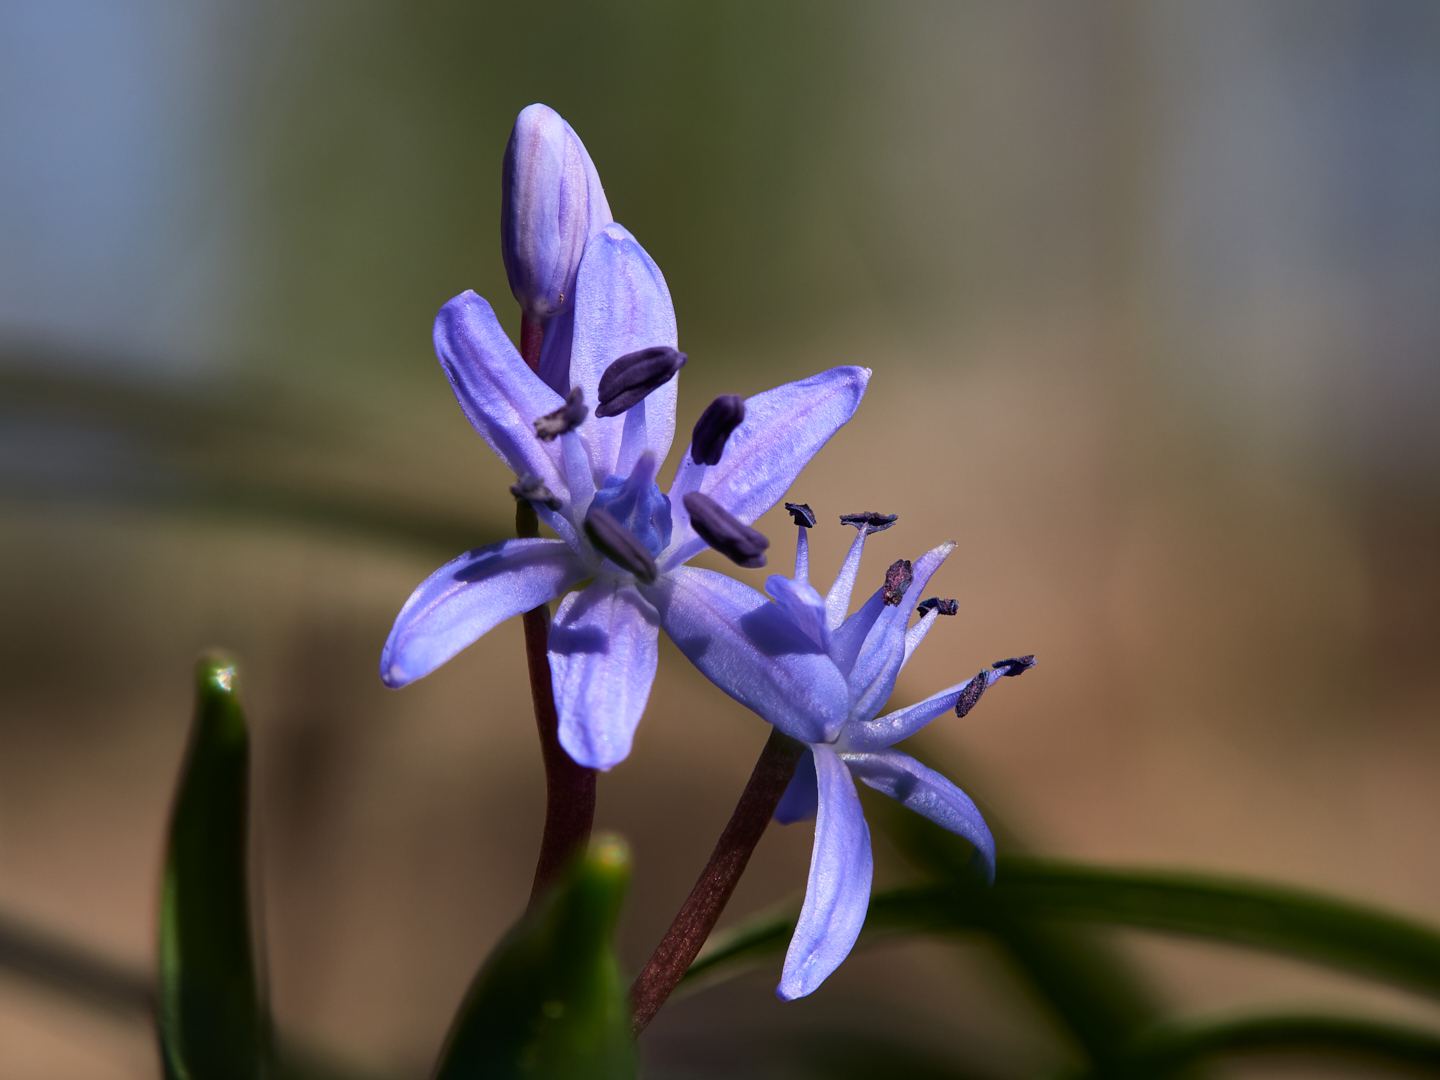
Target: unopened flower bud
(712, 430)
(551, 203)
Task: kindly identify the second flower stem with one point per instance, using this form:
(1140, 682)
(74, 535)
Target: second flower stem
(682, 942)
(569, 788)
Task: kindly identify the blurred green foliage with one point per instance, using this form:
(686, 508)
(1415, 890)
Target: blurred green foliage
(211, 1023)
(550, 1002)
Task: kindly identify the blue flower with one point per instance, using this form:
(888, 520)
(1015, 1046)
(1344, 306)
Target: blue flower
(867, 651)
(592, 481)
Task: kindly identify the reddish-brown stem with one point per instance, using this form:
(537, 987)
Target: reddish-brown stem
(569, 788)
(532, 335)
(682, 942)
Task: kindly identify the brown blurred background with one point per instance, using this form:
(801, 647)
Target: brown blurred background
(1150, 292)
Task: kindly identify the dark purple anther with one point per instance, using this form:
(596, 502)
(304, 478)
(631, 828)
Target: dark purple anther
(971, 694)
(725, 533)
(619, 545)
(1014, 666)
(566, 418)
(712, 430)
(870, 521)
(802, 514)
(897, 580)
(632, 378)
(944, 607)
(530, 488)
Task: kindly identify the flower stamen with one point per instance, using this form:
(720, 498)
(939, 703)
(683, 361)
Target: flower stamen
(869, 521)
(971, 695)
(1016, 665)
(566, 418)
(530, 488)
(635, 376)
(726, 533)
(619, 544)
(801, 514)
(712, 430)
(897, 579)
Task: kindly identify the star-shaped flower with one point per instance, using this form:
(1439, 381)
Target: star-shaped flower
(591, 478)
(867, 651)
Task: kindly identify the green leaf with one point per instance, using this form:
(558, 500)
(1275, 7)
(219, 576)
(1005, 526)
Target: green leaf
(1291, 921)
(1090, 991)
(1173, 1047)
(1266, 916)
(210, 1021)
(549, 1002)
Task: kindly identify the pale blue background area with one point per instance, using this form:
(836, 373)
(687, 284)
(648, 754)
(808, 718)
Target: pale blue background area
(1255, 186)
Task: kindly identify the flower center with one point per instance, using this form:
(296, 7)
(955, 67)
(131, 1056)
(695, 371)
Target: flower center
(638, 505)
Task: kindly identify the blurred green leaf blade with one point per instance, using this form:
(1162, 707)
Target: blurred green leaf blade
(1280, 919)
(549, 1002)
(211, 1024)
(1173, 1047)
(1089, 989)
(1276, 918)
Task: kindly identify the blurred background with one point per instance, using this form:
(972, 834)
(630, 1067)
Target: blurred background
(1152, 296)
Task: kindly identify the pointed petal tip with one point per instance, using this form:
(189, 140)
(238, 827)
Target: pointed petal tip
(859, 374)
(393, 675)
(589, 757)
(615, 231)
(789, 991)
(537, 112)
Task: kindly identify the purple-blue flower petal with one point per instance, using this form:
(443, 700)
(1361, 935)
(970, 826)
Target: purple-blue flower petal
(802, 798)
(804, 606)
(837, 894)
(555, 349)
(621, 306)
(802, 555)
(783, 429)
(500, 395)
(578, 476)
(916, 634)
(891, 728)
(873, 677)
(852, 633)
(837, 600)
(603, 654)
(746, 646)
(470, 595)
(927, 793)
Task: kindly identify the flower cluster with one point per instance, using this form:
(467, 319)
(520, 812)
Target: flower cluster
(591, 475)
(585, 425)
